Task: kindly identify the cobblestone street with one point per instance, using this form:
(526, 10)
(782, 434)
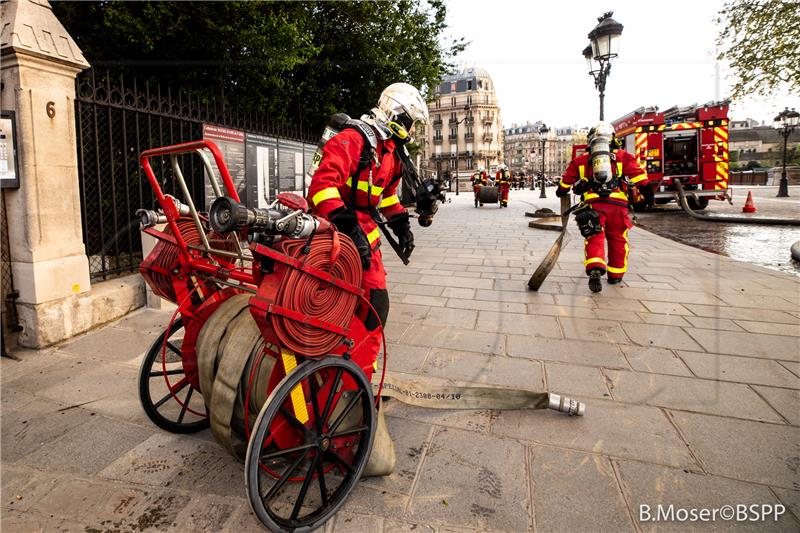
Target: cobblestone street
(690, 369)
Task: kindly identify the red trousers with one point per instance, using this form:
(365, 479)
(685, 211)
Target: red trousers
(504, 187)
(615, 223)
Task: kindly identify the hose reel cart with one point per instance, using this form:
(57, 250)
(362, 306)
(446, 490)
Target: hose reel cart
(267, 345)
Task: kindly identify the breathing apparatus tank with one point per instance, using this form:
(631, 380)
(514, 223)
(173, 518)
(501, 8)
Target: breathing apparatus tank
(600, 155)
(334, 126)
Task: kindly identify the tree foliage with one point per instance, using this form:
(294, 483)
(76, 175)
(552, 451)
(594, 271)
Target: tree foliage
(295, 61)
(761, 40)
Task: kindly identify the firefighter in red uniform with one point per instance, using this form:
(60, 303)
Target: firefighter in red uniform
(478, 179)
(503, 181)
(604, 177)
(353, 187)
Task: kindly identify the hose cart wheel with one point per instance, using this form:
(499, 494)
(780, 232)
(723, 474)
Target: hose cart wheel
(166, 395)
(310, 444)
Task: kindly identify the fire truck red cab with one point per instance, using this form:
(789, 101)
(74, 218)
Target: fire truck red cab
(686, 143)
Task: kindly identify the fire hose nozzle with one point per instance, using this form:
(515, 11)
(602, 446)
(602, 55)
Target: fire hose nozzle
(566, 405)
(149, 218)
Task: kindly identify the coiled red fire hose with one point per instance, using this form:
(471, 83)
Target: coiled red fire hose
(314, 297)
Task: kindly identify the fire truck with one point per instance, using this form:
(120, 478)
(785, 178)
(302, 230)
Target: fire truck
(688, 143)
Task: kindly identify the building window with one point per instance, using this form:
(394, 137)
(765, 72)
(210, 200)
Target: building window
(453, 132)
(453, 101)
(437, 134)
(437, 103)
(453, 164)
(469, 162)
(469, 99)
(486, 99)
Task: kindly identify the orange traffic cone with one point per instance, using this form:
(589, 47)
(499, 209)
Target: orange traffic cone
(749, 206)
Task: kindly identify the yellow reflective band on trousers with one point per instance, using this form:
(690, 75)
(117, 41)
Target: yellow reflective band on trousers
(594, 260)
(616, 270)
(325, 194)
(297, 395)
(637, 179)
(364, 186)
(386, 202)
(373, 235)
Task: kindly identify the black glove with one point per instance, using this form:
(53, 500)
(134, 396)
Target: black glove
(647, 193)
(347, 222)
(562, 192)
(401, 227)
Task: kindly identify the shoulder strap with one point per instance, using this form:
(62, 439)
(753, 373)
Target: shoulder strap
(368, 152)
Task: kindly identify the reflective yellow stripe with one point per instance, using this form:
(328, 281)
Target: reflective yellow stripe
(363, 186)
(637, 179)
(615, 270)
(373, 235)
(619, 169)
(581, 171)
(563, 185)
(618, 195)
(298, 398)
(386, 202)
(325, 194)
(594, 260)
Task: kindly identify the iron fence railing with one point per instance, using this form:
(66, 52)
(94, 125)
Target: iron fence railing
(116, 120)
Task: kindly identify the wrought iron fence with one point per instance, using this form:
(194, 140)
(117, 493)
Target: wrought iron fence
(116, 120)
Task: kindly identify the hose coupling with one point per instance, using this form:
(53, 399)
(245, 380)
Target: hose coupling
(566, 405)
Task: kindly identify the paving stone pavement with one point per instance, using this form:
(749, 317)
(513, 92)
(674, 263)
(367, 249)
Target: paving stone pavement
(690, 368)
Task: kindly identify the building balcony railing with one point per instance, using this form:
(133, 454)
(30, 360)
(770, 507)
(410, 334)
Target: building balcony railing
(469, 136)
(487, 137)
(437, 140)
(437, 122)
(453, 121)
(452, 137)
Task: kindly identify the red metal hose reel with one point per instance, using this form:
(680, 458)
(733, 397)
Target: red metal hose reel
(311, 437)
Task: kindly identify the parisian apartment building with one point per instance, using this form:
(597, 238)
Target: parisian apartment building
(523, 148)
(465, 130)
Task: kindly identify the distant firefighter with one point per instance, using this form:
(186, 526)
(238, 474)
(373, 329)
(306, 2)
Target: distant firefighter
(503, 181)
(479, 178)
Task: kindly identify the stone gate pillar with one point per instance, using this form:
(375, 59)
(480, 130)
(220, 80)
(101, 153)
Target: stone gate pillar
(39, 64)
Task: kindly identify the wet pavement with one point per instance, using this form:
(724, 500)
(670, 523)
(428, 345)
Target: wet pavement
(757, 244)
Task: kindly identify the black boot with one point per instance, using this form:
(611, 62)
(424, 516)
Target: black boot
(595, 275)
(614, 281)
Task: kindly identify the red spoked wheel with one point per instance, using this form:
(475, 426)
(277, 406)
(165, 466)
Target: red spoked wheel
(167, 396)
(315, 432)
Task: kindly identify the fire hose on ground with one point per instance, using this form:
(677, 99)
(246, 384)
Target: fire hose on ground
(733, 219)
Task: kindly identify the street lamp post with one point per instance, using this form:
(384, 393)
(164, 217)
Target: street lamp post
(458, 123)
(533, 170)
(603, 48)
(785, 123)
(543, 131)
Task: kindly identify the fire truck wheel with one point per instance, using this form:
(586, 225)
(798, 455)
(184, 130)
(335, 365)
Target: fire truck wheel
(166, 395)
(310, 444)
(697, 204)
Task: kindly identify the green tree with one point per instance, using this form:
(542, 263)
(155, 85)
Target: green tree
(761, 40)
(294, 61)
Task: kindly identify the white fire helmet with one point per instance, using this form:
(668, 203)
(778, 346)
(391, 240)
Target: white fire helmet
(400, 106)
(602, 129)
(481, 169)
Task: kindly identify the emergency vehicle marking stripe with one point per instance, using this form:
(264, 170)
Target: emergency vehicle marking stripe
(325, 194)
(364, 186)
(373, 235)
(641, 147)
(686, 125)
(721, 132)
(298, 398)
(386, 202)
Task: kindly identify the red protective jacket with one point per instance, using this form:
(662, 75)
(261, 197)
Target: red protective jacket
(331, 186)
(627, 166)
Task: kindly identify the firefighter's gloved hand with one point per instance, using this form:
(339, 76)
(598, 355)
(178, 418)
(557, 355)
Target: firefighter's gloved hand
(347, 222)
(562, 192)
(647, 193)
(401, 227)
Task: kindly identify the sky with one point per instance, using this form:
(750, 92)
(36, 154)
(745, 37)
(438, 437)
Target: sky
(532, 50)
